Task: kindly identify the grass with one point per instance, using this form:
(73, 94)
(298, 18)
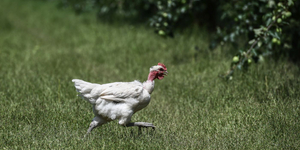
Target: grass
(42, 49)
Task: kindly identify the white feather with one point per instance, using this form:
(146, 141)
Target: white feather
(114, 100)
(119, 100)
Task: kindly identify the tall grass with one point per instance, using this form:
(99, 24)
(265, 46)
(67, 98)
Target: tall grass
(42, 49)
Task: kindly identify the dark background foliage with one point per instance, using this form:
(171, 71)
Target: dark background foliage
(232, 22)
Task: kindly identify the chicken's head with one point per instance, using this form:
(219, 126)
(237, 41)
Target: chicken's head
(159, 71)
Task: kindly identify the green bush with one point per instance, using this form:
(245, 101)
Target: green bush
(266, 25)
(269, 26)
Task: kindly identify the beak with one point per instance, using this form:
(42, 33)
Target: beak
(166, 73)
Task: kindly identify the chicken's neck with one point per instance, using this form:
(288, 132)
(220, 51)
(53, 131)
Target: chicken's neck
(149, 84)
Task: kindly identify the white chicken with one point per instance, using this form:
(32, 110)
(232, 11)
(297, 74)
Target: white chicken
(119, 100)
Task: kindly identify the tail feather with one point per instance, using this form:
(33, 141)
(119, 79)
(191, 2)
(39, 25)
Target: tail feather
(84, 89)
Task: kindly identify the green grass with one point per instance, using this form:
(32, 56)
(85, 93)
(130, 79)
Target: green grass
(42, 49)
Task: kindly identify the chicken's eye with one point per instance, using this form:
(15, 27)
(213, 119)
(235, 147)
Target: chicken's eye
(161, 69)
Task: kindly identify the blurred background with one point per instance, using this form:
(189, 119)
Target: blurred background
(233, 66)
(228, 21)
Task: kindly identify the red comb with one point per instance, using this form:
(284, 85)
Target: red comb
(162, 65)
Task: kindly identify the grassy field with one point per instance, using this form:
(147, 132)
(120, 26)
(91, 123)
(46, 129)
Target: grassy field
(42, 49)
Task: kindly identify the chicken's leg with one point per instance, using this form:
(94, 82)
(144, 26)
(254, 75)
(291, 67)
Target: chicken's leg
(140, 124)
(97, 121)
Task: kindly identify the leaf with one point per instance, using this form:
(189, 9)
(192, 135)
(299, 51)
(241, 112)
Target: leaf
(259, 44)
(182, 10)
(290, 2)
(251, 41)
(286, 23)
(218, 30)
(225, 38)
(269, 46)
(254, 52)
(232, 35)
(239, 66)
(240, 17)
(271, 3)
(275, 35)
(257, 31)
(268, 22)
(159, 19)
(268, 15)
(169, 15)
